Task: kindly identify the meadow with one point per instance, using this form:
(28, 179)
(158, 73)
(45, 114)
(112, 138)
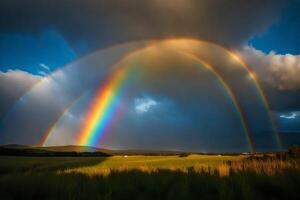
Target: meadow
(150, 177)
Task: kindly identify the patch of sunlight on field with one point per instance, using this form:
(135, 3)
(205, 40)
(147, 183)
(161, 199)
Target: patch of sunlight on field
(153, 163)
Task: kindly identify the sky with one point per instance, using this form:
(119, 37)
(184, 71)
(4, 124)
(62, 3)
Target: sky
(188, 75)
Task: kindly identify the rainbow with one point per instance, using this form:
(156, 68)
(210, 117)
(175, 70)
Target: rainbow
(104, 105)
(230, 94)
(53, 127)
(261, 93)
(248, 70)
(108, 98)
(106, 102)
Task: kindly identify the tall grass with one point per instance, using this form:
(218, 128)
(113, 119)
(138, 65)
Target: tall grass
(256, 164)
(246, 178)
(161, 184)
(269, 166)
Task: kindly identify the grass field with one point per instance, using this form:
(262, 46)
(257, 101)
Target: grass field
(100, 165)
(149, 177)
(153, 163)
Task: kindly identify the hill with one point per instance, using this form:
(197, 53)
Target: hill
(72, 148)
(69, 150)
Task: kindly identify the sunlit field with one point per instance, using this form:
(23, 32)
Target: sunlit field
(150, 177)
(153, 163)
(104, 165)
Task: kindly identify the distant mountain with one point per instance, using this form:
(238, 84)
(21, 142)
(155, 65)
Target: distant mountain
(74, 148)
(289, 139)
(15, 146)
(70, 150)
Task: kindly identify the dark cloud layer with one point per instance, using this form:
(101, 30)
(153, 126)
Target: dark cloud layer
(106, 22)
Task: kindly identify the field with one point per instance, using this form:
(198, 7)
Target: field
(150, 177)
(100, 165)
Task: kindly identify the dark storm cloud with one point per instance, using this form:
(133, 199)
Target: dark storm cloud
(106, 22)
(283, 101)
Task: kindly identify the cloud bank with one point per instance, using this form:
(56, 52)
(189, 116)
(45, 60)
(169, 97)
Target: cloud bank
(104, 23)
(281, 71)
(13, 85)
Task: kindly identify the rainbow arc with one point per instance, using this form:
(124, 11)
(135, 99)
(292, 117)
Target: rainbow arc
(109, 96)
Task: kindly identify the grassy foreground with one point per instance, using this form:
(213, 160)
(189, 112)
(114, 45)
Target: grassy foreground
(149, 177)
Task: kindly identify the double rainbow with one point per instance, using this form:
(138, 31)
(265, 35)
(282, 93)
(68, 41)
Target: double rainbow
(108, 99)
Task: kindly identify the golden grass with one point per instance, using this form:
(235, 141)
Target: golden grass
(267, 166)
(198, 163)
(222, 165)
(118, 177)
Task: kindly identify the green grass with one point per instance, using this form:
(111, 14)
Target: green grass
(148, 177)
(18, 164)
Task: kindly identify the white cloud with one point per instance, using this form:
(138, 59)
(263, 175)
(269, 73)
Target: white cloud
(14, 84)
(45, 67)
(143, 105)
(42, 73)
(281, 71)
(17, 81)
(292, 115)
(45, 70)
